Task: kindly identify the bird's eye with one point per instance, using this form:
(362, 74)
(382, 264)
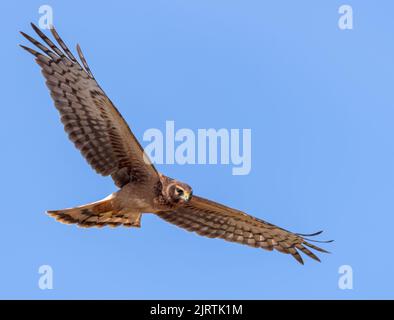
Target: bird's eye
(179, 191)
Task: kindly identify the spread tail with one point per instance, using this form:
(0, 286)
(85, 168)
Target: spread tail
(97, 214)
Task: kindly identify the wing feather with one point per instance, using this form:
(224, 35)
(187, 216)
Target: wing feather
(91, 120)
(214, 220)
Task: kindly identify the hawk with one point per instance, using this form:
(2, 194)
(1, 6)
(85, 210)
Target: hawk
(99, 131)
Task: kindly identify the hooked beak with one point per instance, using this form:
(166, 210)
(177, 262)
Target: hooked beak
(187, 195)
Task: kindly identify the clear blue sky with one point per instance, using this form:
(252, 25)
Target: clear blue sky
(319, 101)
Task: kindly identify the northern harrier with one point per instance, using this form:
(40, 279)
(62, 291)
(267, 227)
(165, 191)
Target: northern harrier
(103, 137)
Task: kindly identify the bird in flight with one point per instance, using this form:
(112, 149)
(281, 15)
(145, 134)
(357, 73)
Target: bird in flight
(99, 131)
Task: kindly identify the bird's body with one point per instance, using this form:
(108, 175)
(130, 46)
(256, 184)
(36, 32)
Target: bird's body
(132, 196)
(103, 137)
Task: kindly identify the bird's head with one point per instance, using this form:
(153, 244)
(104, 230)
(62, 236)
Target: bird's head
(176, 191)
(180, 192)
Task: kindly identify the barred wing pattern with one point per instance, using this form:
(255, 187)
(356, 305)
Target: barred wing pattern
(91, 120)
(214, 220)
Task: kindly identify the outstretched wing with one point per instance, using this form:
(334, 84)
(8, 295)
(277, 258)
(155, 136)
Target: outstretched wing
(215, 220)
(91, 120)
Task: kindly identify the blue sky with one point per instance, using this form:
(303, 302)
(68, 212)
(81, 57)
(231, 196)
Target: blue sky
(319, 101)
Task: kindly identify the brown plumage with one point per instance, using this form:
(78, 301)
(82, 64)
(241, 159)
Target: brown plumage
(103, 137)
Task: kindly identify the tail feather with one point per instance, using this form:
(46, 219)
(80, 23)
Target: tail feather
(97, 214)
